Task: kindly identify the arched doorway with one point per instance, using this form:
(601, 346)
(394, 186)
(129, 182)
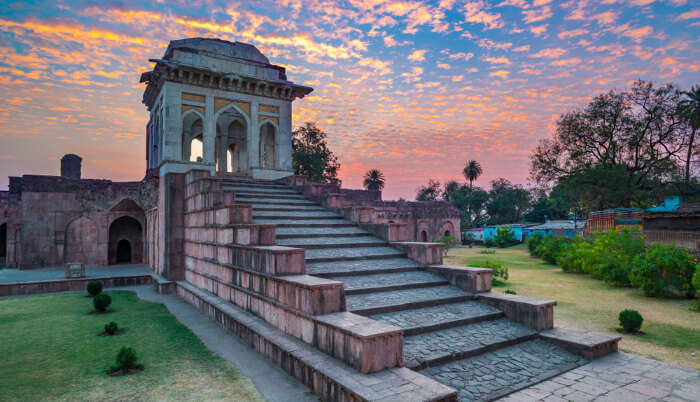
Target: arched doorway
(125, 241)
(192, 136)
(231, 143)
(123, 252)
(424, 236)
(3, 244)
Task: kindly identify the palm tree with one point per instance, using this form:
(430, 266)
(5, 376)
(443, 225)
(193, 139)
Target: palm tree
(374, 179)
(690, 110)
(472, 171)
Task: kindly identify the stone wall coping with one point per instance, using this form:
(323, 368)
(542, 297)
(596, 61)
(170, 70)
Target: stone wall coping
(425, 388)
(420, 243)
(579, 337)
(358, 325)
(85, 278)
(219, 208)
(241, 268)
(309, 281)
(460, 268)
(209, 192)
(272, 249)
(233, 226)
(523, 300)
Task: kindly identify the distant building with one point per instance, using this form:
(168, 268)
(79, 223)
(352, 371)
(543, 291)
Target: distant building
(559, 228)
(617, 218)
(680, 226)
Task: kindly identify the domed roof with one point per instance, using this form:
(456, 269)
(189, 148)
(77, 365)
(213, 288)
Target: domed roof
(218, 47)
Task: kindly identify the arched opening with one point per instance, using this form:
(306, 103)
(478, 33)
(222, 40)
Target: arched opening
(424, 236)
(447, 233)
(192, 137)
(230, 146)
(3, 244)
(123, 252)
(267, 146)
(125, 241)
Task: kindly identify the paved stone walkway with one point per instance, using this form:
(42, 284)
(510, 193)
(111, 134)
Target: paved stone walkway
(386, 280)
(326, 241)
(8, 275)
(387, 300)
(273, 383)
(619, 377)
(359, 252)
(320, 268)
(485, 376)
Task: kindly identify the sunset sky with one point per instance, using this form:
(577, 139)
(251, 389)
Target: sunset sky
(412, 88)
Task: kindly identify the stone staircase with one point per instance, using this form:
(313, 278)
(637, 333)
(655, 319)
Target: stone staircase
(449, 335)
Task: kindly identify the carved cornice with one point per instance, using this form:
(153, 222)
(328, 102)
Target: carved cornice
(169, 71)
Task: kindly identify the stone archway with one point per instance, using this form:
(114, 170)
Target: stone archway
(125, 234)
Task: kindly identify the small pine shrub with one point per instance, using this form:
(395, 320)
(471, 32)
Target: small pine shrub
(499, 274)
(631, 320)
(510, 292)
(448, 242)
(101, 301)
(111, 328)
(505, 237)
(533, 241)
(126, 358)
(94, 288)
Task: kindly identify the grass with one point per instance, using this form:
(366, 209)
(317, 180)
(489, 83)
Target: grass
(50, 349)
(671, 331)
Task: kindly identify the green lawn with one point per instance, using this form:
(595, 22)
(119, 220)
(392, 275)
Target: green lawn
(50, 349)
(672, 332)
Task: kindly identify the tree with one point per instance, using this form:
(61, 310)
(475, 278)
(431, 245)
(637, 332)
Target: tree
(689, 109)
(548, 208)
(507, 202)
(639, 132)
(472, 171)
(311, 156)
(469, 201)
(374, 180)
(429, 192)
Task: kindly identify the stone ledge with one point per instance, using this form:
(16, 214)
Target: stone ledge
(422, 253)
(226, 215)
(390, 232)
(70, 285)
(331, 379)
(246, 234)
(366, 349)
(470, 279)
(537, 314)
(162, 285)
(588, 344)
(274, 260)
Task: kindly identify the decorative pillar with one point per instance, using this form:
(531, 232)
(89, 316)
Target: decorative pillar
(209, 128)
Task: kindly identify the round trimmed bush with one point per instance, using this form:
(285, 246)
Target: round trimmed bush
(111, 328)
(630, 320)
(101, 301)
(126, 358)
(94, 288)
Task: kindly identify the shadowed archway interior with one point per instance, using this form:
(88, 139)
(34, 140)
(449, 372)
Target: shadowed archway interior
(125, 241)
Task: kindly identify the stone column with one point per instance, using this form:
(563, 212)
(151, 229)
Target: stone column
(254, 137)
(209, 128)
(171, 226)
(284, 146)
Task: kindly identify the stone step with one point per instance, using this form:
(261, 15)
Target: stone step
(319, 223)
(362, 267)
(435, 318)
(291, 232)
(439, 347)
(340, 254)
(283, 207)
(254, 184)
(277, 214)
(259, 190)
(249, 199)
(270, 196)
(396, 300)
(365, 240)
(394, 281)
(495, 374)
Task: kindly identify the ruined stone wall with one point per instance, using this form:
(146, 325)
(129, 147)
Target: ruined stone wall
(425, 221)
(54, 220)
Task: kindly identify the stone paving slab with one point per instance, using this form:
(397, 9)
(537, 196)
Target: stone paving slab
(494, 374)
(314, 231)
(295, 214)
(329, 241)
(377, 281)
(374, 303)
(617, 377)
(359, 267)
(257, 206)
(357, 252)
(8, 275)
(455, 343)
(259, 190)
(438, 317)
(328, 222)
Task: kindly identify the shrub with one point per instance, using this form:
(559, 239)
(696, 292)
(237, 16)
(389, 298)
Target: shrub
(101, 301)
(448, 242)
(572, 257)
(94, 288)
(664, 270)
(111, 328)
(550, 248)
(611, 256)
(630, 320)
(533, 241)
(489, 243)
(499, 274)
(126, 358)
(510, 292)
(487, 251)
(505, 237)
